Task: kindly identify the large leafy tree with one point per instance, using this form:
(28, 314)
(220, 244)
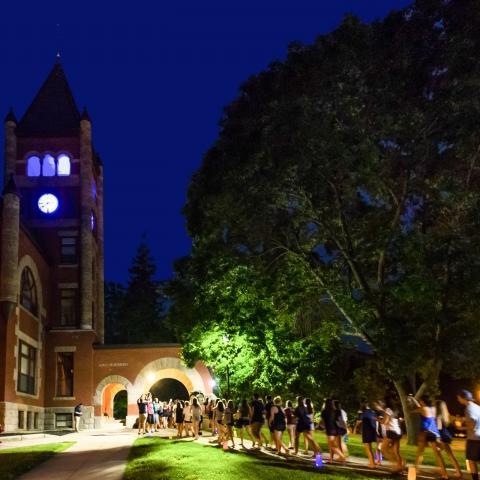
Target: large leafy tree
(355, 163)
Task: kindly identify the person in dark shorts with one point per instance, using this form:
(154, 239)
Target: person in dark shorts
(257, 410)
(429, 433)
(443, 423)
(303, 427)
(391, 443)
(472, 421)
(369, 431)
(179, 418)
(243, 422)
(268, 409)
(277, 421)
(329, 418)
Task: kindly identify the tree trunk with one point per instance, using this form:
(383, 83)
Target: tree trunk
(412, 421)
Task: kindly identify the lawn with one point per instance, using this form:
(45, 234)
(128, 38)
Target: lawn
(16, 461)
(356, 449)
(161, 459)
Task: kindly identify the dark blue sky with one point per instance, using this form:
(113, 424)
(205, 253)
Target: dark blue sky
(155, 76)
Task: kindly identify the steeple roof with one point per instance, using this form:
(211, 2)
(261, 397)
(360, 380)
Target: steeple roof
(53, 111)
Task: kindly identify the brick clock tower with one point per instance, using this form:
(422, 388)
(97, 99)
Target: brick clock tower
(51, 258)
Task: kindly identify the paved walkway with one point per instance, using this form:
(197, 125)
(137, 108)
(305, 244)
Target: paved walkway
(95, 455)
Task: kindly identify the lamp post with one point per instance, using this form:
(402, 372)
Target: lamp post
(225, 341)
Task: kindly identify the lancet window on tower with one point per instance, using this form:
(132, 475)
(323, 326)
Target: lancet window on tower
(48, 165)
(33, 166)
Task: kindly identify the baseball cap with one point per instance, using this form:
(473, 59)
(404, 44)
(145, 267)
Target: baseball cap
(465, 394)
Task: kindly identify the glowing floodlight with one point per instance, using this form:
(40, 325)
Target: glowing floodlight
(151, 377)
(213, 383)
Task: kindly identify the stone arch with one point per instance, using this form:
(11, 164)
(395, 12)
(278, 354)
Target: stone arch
(27, 261)
(97, 399)
(168, 367)
(118, 383)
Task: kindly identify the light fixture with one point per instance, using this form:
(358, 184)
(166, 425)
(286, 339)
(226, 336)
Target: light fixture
(151, 377)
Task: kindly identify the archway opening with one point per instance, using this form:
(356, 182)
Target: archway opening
(169, 388)
(120, 405)
(109, 395)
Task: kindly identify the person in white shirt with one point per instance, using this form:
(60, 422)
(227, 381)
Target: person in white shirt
(472, 421)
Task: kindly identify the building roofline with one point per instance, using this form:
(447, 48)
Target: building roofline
(124, 346)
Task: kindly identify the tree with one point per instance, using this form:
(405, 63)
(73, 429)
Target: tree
(114, 299)
(136, 314)
(355, 162)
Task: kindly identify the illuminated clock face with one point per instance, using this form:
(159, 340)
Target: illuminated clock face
(48, 203)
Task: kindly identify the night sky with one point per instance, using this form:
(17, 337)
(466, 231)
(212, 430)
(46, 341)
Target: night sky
(155, 77)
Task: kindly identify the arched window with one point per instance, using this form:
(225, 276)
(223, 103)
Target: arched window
(28, 291)
(48, 167)
(63, 168)
(33, 166)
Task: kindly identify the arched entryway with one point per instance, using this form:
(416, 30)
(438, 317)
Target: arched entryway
(110, 394)
(120, 404)
(169, 388)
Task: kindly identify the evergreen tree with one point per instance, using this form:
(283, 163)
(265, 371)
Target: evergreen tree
(135, 314)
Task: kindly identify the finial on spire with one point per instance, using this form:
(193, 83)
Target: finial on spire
(10, 116)
(58, 58)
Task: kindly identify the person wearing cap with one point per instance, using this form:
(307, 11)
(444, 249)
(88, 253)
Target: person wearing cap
(472, 421)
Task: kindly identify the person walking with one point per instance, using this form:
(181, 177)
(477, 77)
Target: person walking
(257, 411)
(391, 443)
(187, 418)
(229, 422)
(278, 423)
(369, 431)
(291, 424)
(268, 408)
(243, 422)
(429, 433)
(196, 414)
(472, 422)
(77, 413)
(329, 417)
(342, 427)
(179, 418)
(443, 422)
(303, 427)
(218, 414)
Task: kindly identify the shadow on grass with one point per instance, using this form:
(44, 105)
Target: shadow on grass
(17, 461)
(157, 458)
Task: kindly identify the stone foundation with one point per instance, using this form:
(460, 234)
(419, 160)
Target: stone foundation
(86, 423)
(9, 417)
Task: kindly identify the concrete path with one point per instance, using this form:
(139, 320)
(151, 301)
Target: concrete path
(95, 455)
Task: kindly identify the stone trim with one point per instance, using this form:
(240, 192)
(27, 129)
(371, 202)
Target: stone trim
(68, 285)
(61, 349)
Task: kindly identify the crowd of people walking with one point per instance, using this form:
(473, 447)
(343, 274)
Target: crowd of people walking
(380, 426)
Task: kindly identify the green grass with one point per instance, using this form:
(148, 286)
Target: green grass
(161, 459)
(355, 448)
(16, 461)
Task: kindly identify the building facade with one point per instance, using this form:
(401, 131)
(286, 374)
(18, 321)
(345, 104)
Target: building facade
(51, 278)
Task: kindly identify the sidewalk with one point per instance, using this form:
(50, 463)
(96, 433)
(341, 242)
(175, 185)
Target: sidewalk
(96, 455)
